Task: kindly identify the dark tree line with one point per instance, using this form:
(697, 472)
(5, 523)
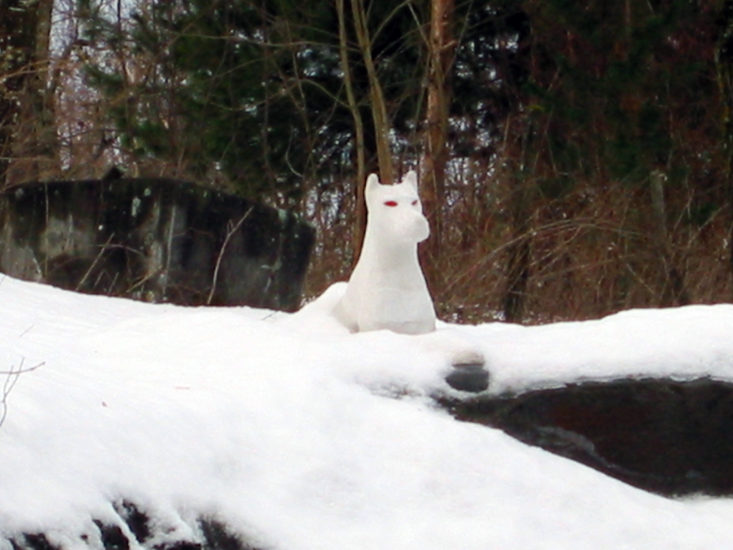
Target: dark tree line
(575, 157)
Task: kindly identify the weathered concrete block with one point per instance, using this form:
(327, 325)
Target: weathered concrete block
(156, 240)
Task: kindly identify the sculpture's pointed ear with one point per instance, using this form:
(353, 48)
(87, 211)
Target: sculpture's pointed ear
(372, 184)
(411, 179)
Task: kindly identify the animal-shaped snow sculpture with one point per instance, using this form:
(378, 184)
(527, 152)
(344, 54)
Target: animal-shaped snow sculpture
(387, 288)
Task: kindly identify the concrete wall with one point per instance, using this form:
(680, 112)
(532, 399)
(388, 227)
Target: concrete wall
(155, 240)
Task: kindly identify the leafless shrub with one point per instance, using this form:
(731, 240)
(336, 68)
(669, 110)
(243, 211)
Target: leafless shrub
(12, 376)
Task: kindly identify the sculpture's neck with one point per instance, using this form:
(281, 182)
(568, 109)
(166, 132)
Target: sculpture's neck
(389, 254)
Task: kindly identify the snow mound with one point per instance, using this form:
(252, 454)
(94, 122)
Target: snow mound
(298, 435)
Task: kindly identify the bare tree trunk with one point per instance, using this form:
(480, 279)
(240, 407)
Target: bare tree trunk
(673, 288)
(724, 62)
(441, 49)
(27, 131)
(519, 252)
(359, 145)
(376, 97)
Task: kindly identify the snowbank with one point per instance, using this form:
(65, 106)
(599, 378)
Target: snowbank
(299, 435)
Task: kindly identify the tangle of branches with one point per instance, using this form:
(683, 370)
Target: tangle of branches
(11, 378)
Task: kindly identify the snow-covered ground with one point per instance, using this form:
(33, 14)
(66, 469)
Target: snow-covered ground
(301, 436)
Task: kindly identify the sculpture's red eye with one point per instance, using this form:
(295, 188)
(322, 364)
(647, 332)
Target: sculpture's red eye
(414, 203)
(390, 203)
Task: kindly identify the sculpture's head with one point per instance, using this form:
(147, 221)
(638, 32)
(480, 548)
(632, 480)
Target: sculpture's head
(395, 211)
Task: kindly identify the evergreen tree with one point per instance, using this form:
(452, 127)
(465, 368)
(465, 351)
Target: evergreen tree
(621, 107)
(252, 92)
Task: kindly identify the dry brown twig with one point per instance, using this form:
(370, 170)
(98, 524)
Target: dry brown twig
(233, 229)
(11, 378)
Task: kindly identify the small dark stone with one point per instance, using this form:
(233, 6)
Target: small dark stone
(112, 537)
(114, 173)
(135, 519)
(213, 535)
(218, 537)
(33, 541)
(180, 545)
(472, 378)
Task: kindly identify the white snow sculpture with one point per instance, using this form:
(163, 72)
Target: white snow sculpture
(387, 288)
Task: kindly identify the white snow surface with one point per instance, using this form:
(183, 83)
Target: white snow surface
(299, 435)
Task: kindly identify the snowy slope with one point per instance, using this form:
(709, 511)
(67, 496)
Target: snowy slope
(302, 436)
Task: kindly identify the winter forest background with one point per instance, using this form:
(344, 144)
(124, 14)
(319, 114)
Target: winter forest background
(575, 157)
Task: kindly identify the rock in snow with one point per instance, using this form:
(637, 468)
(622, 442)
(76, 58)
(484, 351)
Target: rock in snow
(667, 436)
